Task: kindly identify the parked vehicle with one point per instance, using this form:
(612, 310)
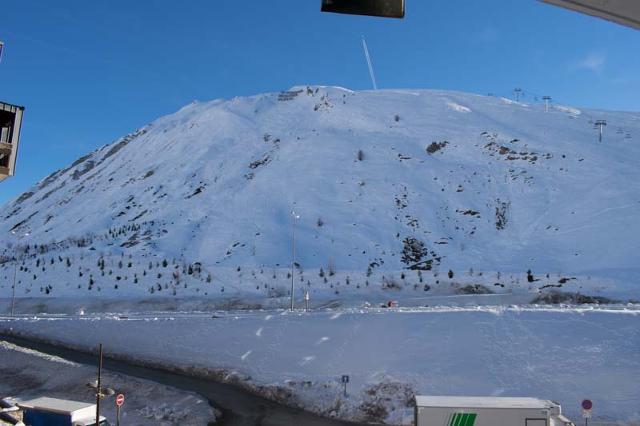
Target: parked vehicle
(59, 412)
(487, 411)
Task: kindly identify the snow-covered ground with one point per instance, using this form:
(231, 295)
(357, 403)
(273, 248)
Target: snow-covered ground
(456, 205)
(198, 203)
(28, 374)
(560, 353)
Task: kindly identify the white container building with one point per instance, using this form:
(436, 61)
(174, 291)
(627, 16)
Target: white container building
(487, 411)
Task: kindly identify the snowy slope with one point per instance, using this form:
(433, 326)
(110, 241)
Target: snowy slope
(507, 187)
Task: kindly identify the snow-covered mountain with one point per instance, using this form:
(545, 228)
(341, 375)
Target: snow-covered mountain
(383, 182)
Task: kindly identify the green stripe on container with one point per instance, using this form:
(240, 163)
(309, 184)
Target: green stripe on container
(454, 420)
(465, 420)
(459, 419)
(472, 419)
(462, 419)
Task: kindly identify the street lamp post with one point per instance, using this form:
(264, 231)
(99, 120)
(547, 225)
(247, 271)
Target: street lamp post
(99, 387)
(293, 255)
(100, 391)
(13, 290)
(15, 273)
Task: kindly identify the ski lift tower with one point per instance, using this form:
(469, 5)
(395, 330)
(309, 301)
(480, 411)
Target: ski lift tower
(517, 91)
(600, 124)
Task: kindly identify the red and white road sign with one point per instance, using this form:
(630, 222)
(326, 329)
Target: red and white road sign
(587, 406)
(119, 400)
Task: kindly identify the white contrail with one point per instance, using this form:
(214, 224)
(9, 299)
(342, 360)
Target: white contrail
(366, 54)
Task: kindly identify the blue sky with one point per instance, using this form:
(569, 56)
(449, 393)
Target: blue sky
(89, 72)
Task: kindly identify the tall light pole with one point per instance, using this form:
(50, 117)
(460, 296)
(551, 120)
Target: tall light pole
(96, 385)
(15, 273)
(13, 291)
(293, 254)
(99, 387)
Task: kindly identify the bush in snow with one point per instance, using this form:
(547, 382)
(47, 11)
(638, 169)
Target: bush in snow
(436, 146)
(474, 289)
(530, 277)
(390, 284)
(331, 267)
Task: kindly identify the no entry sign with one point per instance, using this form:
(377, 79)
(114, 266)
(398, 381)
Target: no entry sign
(119, 400)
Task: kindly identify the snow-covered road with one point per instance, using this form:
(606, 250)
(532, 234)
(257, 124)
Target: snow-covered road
(27, 373)
(560, 353)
